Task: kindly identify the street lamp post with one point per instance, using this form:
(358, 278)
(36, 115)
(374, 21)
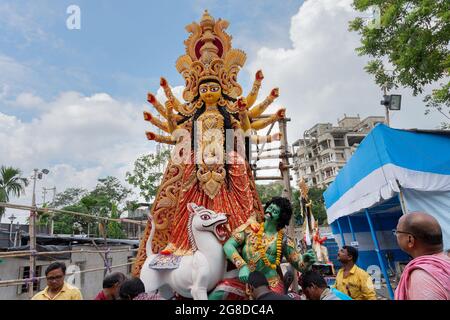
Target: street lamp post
(386, 106)
(53, 200)
(32, 231)
(391, 102)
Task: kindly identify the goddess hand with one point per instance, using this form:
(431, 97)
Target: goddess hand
(244, 272)
(242, 104)
(275, 93)
(281, 113)
(259, 76)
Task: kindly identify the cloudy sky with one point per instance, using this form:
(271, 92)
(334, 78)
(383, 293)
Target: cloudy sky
(72, 100)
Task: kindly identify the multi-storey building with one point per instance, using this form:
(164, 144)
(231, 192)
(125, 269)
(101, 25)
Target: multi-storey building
(325, 149)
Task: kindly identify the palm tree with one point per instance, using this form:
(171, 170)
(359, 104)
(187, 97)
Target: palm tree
(11, 184)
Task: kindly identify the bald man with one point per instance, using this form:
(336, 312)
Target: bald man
(427, 276)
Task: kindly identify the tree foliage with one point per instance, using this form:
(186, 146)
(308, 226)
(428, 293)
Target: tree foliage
(413, 36)
(103, 201)
(11, 184)
(318, 204)
(147, 174)
(110, 188)
(114, 229)
(267, 191)
(68, 197)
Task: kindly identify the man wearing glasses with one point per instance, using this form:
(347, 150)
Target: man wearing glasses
(427, 276)
(57, 288)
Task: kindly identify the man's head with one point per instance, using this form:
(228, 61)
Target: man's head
(131, 288)
(257, 281)
(348, 254)
(278, 209)
(313, 285)
(55, 274)
(111, 285)
(419, 233)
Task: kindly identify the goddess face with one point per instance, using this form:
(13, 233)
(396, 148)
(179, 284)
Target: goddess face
(210, 92)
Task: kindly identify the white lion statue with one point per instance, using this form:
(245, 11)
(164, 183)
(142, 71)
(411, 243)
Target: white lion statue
(191, 276)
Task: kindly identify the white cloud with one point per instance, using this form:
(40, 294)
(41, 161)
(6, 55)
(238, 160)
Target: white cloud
(28, 100)
(321, 77)
(78, 138)
(26, 23)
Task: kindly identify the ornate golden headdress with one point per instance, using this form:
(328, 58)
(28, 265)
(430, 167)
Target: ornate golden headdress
(209, 56)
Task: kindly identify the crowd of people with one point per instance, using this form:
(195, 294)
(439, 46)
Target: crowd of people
(426, 277)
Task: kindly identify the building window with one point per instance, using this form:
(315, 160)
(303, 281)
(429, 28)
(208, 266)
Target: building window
(24, 273)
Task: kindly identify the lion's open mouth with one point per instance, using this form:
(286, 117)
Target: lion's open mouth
(221, 230)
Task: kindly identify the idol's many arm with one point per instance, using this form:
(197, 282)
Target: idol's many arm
(243, 114)
(156, 104)
(169, 94)
(163, 125)
(253, 95)
(262, 123)
(172, 126)
(257, 110)
(159, 138)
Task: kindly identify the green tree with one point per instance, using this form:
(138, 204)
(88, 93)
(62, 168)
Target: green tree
(296, 207)
(63, 222)
(268, 191)
(103, 201)
(413, 36)
(110, 188)
(115, 230)
(147, 174)
(68, 197)
(318, 204)
(11, 184)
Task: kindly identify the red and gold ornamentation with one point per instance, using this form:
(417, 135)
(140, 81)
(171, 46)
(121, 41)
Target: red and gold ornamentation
(206, 179)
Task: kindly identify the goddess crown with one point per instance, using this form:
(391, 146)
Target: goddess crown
(209, 55)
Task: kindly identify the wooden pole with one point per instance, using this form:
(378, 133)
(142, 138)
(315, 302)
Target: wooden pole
(287, 191)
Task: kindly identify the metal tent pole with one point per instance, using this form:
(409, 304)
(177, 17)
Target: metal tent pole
(341, 233)
(380, 259)
(351, 228)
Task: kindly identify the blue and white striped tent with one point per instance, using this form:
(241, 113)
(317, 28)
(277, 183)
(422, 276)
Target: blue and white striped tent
(391, 173)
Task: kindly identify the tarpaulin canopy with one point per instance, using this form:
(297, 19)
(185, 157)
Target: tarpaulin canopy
(388, 159)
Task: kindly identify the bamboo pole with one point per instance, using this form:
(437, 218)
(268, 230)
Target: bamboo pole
(14, 254)
(53, 210)
(7, 283)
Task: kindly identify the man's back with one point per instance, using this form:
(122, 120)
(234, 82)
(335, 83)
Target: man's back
(424, 284)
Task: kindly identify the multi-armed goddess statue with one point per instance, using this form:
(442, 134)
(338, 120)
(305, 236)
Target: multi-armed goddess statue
(208, 168)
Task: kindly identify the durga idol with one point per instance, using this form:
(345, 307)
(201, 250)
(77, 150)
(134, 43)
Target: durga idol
(213, 173)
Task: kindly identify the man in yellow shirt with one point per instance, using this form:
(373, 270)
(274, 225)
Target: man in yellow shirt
(351, 279)
(57, 288)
